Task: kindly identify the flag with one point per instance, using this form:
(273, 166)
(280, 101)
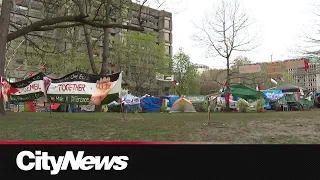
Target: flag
(227, 95)
(274, 81)
(281, 79)
(306, 65)
(6, 89)
(258, 89)
(175, 83)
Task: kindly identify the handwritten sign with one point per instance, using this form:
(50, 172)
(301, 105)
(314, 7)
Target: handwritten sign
(71, 87)
(294, 63)
(251, 68)
(274, 70)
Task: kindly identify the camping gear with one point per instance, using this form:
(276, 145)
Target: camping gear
(197, 102)
(182, 105)
(172, 99)
(150, 104)
(130, 103)
(243, 91)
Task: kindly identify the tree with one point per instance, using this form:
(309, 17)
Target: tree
(225, 32)
(4, 26)
(185, 73)
(68, 14)
(207, 82)
(313, 38)
(141, 58)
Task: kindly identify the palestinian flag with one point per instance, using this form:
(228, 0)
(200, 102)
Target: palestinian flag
(82, 88)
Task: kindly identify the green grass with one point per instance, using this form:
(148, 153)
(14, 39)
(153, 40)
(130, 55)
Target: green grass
(269, 127)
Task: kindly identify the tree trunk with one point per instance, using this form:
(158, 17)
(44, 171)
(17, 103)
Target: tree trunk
(106, 37)
(90, 49)
(228, 85)
(4, 28)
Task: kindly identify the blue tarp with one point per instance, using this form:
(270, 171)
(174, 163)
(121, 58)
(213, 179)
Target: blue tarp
(272, 95)
(151, 104)
(172, 100)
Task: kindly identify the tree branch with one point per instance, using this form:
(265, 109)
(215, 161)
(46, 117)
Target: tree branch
(44, 22)
(49, 28)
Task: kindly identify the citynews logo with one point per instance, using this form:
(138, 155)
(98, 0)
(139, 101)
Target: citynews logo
(42, 161)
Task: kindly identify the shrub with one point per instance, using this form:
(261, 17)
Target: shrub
(163, 107)
(205, 107)
(243, 105)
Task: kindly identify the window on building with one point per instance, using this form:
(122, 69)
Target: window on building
(167, 24)
(168, 50)
(167, 36)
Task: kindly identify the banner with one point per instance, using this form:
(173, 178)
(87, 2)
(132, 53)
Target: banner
(163, 77)
(196, 99)
(295, 63)
(274, 70)
(74, 88)
(251, 68)
(82, 88)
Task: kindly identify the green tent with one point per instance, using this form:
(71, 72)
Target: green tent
(243, 91)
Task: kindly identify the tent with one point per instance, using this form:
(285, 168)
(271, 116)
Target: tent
(287, 88)
(244, 92)
(182, 105)
(131, 103)
(150, 104)
(172, 99)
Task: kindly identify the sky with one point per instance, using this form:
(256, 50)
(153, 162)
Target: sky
(280, 24)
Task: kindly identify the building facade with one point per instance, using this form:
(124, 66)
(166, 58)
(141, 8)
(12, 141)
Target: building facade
(309, 80)
(201, 68)
(32, 10)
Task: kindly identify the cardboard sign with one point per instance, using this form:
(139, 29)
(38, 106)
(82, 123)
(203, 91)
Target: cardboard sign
(294, 63)
(274, 70)
(251, 68)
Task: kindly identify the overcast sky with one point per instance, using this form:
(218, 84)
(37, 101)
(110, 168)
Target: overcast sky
(281, 24)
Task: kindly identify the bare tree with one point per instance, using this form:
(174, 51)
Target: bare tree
(224, 32)
(312, 39)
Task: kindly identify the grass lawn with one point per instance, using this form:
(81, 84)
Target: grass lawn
(269, 127)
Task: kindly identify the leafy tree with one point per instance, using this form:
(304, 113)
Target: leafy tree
(141, 58)
(185, 73)
(58, 15)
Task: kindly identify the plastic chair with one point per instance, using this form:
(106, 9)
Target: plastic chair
(285, 107)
